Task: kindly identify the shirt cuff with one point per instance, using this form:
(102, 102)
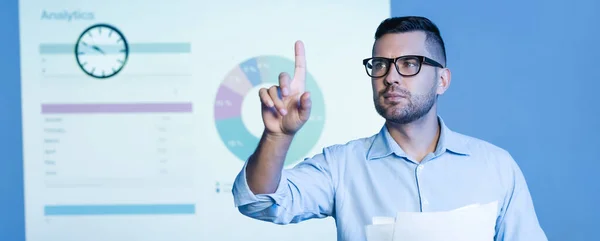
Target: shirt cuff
(242, 195)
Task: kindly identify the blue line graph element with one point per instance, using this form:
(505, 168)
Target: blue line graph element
(127, 209)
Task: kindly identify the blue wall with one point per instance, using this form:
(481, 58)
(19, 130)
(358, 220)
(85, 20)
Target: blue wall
(12, 217)
(524, 78)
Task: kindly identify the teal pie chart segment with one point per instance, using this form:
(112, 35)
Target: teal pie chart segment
(240, 82)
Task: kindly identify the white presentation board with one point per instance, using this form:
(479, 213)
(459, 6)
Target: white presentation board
(137, 115)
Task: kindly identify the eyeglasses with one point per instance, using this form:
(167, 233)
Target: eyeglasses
(408, 65)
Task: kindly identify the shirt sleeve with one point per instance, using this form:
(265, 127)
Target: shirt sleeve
(305, 191)
(518, 220)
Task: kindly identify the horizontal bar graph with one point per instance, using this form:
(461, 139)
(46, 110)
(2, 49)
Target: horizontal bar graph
(134, 48)
(126, 209)
(90, 108)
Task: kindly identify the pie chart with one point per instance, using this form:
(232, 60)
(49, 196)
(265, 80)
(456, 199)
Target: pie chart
(242, 81)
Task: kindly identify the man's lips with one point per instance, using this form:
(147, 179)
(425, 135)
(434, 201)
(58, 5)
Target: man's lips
(393, 95)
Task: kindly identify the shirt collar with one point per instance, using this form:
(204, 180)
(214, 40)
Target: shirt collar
(383, 144)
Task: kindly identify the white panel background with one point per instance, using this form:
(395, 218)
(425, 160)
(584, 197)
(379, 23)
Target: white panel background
(337, 35)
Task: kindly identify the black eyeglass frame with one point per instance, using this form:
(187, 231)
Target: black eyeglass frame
(422, 60)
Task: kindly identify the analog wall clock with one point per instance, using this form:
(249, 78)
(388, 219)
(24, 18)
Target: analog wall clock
(101, 51)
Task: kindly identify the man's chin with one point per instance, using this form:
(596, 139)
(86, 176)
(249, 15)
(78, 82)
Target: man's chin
(395, 114)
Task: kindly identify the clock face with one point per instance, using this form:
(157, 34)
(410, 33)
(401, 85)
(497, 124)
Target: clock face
(101, 51)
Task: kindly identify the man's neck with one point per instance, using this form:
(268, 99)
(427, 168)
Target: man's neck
(418, 138)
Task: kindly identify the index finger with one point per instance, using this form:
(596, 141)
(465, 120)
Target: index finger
(300, 67)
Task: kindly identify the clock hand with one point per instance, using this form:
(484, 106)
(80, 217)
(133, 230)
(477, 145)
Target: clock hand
(97, 49)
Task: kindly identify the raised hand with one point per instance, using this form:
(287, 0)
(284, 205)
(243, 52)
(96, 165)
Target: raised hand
(285, 108)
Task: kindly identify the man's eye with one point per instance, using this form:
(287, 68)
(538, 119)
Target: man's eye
(409, 64)
(379, 65)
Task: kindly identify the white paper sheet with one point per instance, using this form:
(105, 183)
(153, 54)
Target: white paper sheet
(380, 232)
(383, 220)
(470, 223)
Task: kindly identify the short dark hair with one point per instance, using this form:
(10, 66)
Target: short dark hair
(433, 42)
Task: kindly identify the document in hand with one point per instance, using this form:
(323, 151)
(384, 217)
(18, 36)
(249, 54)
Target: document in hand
(471, 223)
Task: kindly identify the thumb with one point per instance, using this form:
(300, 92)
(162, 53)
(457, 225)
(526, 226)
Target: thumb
(304, 107)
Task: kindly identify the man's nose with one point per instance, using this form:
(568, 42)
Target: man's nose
(393, 77)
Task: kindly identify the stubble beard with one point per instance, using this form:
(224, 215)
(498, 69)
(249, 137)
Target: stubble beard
(407, 110)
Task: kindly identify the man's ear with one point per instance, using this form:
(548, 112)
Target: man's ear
(445, 76)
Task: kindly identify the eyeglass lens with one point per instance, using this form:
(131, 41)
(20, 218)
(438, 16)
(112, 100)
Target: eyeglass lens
(378, 67)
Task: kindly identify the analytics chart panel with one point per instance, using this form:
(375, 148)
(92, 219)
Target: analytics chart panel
(138, 115)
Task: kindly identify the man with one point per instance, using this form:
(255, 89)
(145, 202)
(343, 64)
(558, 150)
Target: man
(415, 163)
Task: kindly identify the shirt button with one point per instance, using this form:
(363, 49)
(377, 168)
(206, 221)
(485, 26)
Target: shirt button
(425, 202)
(420, 168)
